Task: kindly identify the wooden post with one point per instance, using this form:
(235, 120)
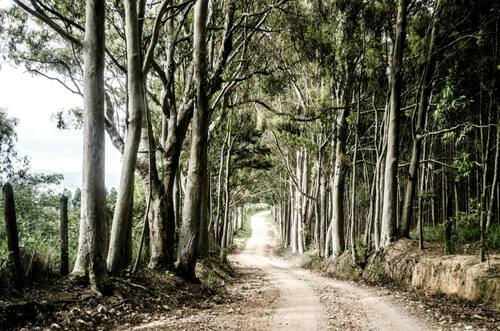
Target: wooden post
(64, 267)
(12, 238)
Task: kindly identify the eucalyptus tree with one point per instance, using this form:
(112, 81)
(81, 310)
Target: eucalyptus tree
(243, 156)
(188, 241)
(445, 108)
(90, 261)
(390, 201)
(239, 29)
(117, 256)
(61, 62)
(348, 58)
(425, 89)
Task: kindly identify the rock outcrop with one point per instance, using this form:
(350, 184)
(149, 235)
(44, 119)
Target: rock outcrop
(461, 275)
(404, 264)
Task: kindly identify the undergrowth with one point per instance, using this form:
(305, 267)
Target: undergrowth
(466, 234)
(246, 229)
(308, 260)
(215, 273)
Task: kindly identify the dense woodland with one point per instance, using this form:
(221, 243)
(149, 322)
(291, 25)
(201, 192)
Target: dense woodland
(358, 122)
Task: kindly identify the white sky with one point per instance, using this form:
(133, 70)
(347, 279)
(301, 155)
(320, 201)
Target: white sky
(32, 100)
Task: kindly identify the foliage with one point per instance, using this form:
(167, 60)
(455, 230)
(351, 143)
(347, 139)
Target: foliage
(69, 119)
(38, 220)
(8, 138)
(310, 260)
(38, 223)
(246, 229)
(465, 233)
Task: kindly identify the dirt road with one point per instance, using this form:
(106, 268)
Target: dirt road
(272, 294)
(310, 302)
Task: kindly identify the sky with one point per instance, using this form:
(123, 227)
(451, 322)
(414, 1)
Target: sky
(32, 100)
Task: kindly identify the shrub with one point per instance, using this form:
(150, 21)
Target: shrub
(466, 232)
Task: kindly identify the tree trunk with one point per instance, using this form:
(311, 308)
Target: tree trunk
(367, 236)
(121, 218)
(448, 246)
(353, 192)
(495, 180)
(303, 179)
(218, 227)
(287, 223)
(388, 230)
(323, 182)
(293, 220)
(188, 241)
(173, 147)
(177, 204)
(161, 237)
(422, 107)
(317, 211)
(483, 200)
(225, 219)
(92, 244)
(204, 243)
(338, 241)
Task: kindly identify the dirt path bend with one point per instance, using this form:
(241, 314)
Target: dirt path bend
(311, 302)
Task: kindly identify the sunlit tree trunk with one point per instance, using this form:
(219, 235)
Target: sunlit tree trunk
(322, 217)
(121, 218)
(303, 179)
(92, 243)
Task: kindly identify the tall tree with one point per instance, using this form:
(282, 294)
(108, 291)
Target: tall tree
(192, 209)
(136, 104)
(424, 94)
(389, 207)
(92, 243)
(338, 185)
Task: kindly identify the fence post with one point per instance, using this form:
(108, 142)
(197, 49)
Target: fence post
(15, 264)
(64, 267)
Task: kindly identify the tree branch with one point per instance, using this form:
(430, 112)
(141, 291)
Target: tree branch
(38, 13)
(288, 170)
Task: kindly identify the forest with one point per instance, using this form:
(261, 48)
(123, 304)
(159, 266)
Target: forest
(359, 139)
